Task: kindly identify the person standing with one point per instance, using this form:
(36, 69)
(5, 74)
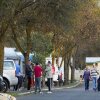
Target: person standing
(29, 72)
(37, 73)
(19, 76)
(98, 84)
(86, 77)
(60, 81)
(94, 75)
(49, 76)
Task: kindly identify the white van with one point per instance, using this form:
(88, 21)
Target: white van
(9, 73)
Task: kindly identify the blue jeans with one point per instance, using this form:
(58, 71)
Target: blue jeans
(94, 81)
(38, 84)
(86, 84)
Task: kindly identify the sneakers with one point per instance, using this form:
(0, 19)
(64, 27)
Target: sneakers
(41, 92)
(20, 89)
(29, 91)
(38, 92)
(49, 92)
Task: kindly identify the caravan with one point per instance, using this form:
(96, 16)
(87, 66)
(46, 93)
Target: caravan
(9, 68)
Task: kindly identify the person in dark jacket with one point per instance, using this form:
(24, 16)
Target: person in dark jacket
(28, 71)
(86, 77)
(98, 84)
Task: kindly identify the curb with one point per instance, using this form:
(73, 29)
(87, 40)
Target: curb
(19, 94)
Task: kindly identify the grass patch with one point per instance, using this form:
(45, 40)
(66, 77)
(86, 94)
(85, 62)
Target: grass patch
(13, 93)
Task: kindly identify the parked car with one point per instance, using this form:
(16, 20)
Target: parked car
(2, 85)
(9, 77)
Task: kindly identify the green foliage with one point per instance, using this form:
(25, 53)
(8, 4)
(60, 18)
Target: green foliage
(42, 43)
(40, 58)
(42, 46)
(66, 20)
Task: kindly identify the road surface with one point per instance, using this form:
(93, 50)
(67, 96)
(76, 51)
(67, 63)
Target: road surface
(64, 94)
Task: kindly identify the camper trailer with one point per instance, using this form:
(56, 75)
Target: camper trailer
(9, 67)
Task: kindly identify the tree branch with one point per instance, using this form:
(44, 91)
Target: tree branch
(16, 40)
(24, 6)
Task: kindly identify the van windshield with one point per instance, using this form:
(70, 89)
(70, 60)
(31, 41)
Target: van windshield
(8, 65)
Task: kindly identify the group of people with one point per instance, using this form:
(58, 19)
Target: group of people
(34, 73)
(93, 75)
(37, 71)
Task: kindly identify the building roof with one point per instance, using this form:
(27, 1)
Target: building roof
(92, 59)
(9, 53)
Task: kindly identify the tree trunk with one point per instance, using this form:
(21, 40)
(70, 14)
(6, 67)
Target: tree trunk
(43, 81)
(1, 58)
(72, 66)
(66, 69)
(28, 49)
(53, 57)
(73, 63)
(29, 44)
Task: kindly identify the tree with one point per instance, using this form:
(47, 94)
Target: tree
(79, 14)
(9, 10)
(69, 22)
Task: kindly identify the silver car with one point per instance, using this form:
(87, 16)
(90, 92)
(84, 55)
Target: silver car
(9, 73)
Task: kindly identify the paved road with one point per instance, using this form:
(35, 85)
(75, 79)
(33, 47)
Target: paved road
(64, 94)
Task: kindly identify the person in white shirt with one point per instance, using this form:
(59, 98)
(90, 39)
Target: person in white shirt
(60, 76)
(49, 76)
